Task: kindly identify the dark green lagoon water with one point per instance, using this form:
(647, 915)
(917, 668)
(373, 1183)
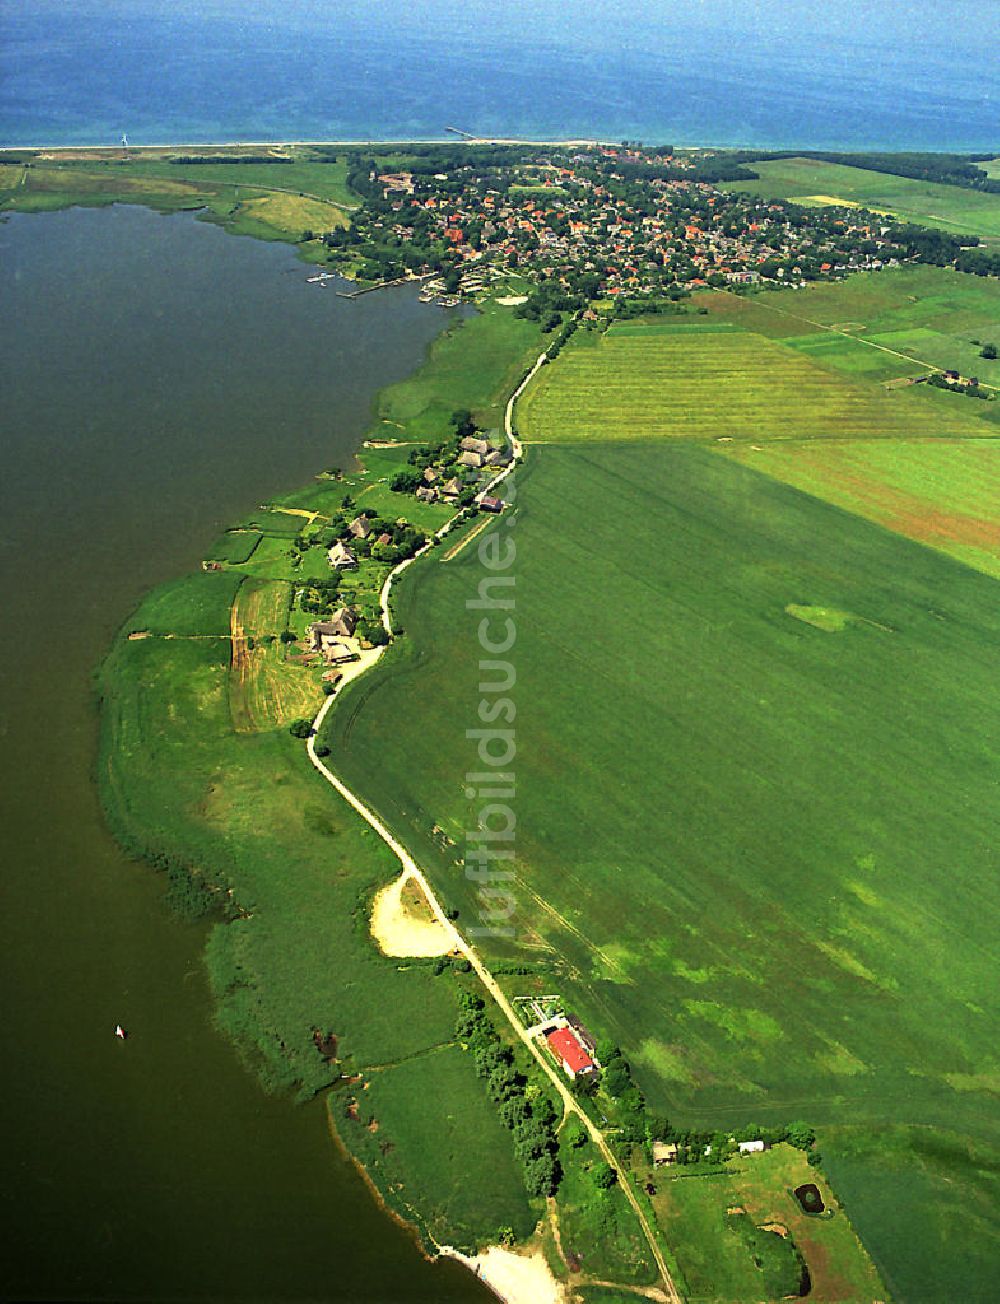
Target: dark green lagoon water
(157, 379)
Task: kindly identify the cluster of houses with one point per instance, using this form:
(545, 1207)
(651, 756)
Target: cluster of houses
(342, 556)
(476, 462)
(956, 378)
(665, 1152)
(572, 212)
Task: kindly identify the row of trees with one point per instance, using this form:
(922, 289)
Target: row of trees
(979, 262)
(522, 1105)
(938, 247)
(193, 160)
(956, 387)
(692, 1143)
(947, 169)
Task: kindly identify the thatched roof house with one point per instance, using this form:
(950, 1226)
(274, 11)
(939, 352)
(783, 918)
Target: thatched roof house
(341, 557)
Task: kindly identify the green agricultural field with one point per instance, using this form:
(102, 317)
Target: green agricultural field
(945, 494)
(880, 324)
(925, 1198)
(710, 380)
(811, 181)
(746, 847)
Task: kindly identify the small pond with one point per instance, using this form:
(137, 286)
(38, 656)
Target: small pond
(809, 1198)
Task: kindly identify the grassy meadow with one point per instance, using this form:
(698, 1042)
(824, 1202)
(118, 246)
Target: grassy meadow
(276, 201)
(476, 366)
(431, 1138)
(599, 1235)
(727, 854)
(929, 203)
(708, 379)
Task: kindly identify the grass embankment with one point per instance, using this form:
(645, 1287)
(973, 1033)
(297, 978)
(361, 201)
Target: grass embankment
(763, 903)
(270, 201)
(198, 775)
(929, 203)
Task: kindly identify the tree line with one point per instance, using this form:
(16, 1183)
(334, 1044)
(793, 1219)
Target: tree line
(945, 169)
(523, 1108)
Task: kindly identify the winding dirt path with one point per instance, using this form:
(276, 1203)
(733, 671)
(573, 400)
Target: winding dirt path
(464, 948)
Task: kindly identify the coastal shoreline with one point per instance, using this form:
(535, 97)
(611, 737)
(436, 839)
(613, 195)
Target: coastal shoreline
(581, 142)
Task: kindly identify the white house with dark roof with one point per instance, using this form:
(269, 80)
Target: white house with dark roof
(341, 557)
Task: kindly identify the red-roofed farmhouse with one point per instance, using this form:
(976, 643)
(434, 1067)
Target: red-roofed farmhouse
(568, 1050)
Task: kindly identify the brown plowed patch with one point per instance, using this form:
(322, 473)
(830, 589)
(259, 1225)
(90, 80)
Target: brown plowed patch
(915, 517)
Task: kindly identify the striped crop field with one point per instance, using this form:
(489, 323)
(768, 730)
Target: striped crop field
(714, 381)
(880, 325)
(265, 690)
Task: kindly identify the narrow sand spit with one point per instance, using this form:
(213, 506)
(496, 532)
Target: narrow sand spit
(402, 923)
(514, 1278)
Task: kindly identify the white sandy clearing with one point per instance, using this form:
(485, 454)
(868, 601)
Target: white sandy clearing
(400, 933)
(512, 300)
(515, 1278)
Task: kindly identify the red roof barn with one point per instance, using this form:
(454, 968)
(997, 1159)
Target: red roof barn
(566, 1047)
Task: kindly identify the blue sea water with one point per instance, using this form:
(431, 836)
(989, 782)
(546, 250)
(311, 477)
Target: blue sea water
(849, 74)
